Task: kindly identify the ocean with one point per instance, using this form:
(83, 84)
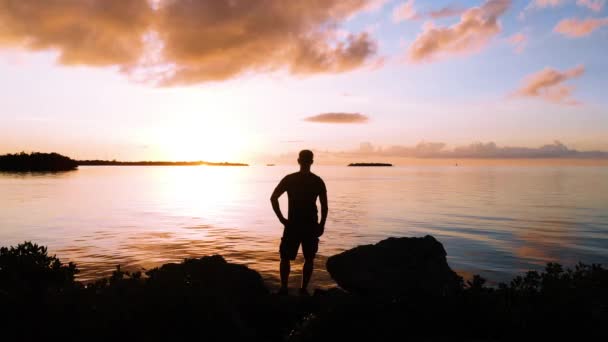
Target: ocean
(497, 221)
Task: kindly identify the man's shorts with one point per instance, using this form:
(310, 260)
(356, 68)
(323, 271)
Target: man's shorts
(294, 236)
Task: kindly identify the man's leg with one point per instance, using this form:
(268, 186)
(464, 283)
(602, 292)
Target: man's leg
(285, 268)
(287, 250)
(307, 272)
(310, 247)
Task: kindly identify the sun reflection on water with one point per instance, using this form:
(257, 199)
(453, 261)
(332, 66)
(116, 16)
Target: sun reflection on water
(496, 221)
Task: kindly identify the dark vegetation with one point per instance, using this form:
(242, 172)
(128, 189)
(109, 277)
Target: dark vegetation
(370, 164)
(208, 299)
(154, 163)
(36, 162)
(49, 162)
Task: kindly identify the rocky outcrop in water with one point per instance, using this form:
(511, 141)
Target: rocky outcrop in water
(395, 267)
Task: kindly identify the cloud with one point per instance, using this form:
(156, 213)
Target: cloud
(594, 5)
(545, 3)
(93, 32)
(177, 42)
(439, 153)
(407, 11)
(476, 27)
(446, 12)
(548, 85)
(540, 4)
(575, 28)
(219, 39)
(491, 150)
(404, 12)
(474, 150)
(338, 118)
(518, 41)
(375, 5)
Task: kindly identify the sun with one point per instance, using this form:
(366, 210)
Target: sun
(213, 144)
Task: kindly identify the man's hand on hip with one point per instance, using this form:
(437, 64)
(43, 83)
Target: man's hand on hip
(320, 230)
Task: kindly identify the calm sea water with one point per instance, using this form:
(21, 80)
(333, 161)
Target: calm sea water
(496, 221)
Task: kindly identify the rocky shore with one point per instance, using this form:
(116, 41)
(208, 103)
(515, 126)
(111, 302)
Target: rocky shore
(398, 289)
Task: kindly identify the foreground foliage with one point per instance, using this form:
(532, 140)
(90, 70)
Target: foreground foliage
(212, 300)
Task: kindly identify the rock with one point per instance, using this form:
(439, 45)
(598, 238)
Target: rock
(395, 267)
(222, 300)
(210, 274)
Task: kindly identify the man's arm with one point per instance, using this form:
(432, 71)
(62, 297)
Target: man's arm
(274, 199)
(324, 211)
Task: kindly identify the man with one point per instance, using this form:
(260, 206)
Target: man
(302, 225)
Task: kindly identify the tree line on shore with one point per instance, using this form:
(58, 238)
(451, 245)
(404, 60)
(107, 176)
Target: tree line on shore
(54, 162)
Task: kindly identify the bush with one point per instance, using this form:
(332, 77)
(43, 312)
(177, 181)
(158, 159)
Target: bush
(213, 300)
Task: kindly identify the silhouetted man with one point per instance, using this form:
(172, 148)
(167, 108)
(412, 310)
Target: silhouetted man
(302, 225)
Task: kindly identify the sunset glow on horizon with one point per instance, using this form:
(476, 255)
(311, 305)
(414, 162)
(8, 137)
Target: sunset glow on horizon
(255, 81)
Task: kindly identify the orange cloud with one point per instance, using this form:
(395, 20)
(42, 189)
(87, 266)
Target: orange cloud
(94, 32)
(575, 28)
(220, 39)
(184, 42)
(519, 41)
(476, 27)
(594, 5)
(338, 118)
(548, 85)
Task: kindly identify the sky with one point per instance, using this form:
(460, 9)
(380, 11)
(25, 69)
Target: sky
(244, 80)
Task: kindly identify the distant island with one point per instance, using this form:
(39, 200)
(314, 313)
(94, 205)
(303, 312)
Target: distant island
(36, 162)
(370, 164)
(54, 162)
(154, 163)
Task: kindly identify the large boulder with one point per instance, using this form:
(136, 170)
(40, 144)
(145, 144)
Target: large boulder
(395, 267)
(210, 275)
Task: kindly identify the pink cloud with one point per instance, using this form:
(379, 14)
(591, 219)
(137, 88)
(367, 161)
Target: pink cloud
(539, 4)
(404, 12)
(547, 84)
(477, 26)
(518, 41)
(375, 5)
(446, 12)
(407, 11)
(575, 28)
(546, 3)
(594, 5)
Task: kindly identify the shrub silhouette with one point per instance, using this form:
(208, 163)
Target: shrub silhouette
(212, 300)
(28, 270)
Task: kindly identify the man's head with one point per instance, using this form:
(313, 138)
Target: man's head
(305, 158)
